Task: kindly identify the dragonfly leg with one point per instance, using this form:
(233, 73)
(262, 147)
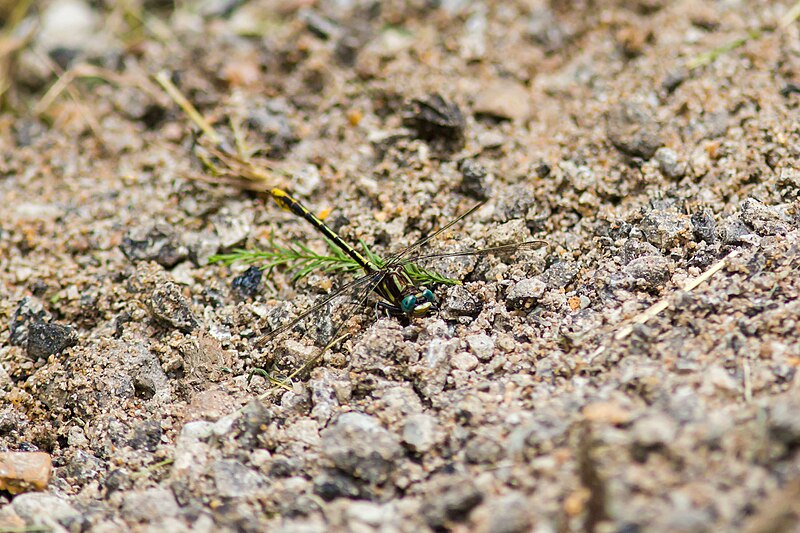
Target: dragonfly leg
(388, 309)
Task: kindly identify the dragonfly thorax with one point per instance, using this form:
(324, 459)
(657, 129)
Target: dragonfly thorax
(402, 294)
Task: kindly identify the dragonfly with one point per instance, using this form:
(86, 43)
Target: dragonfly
(396, 280)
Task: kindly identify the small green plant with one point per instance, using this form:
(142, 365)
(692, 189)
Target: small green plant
(301, 261)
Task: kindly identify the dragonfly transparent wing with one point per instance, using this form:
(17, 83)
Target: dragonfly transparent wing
(398, 257)
(492, 250)
(349, 290)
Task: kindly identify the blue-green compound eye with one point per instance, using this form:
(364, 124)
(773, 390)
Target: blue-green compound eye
(409, 303)
(428, 295)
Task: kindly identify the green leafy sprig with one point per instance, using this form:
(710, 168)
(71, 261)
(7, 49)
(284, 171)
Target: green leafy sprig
(301, 261)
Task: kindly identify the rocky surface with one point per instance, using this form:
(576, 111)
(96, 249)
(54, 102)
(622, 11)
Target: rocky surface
(127, 357)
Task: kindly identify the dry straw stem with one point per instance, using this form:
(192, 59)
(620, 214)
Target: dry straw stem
(709, 57)
(663, 304)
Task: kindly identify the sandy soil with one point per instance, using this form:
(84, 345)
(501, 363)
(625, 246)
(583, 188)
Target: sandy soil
(620, 132)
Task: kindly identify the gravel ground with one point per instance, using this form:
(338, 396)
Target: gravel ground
(535, 400)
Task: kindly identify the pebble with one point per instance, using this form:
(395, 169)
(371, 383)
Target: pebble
(157, 242)
(511, 232)
(461, 302)
(254, 419)
(765, 220)
(510, 513)
(271, 122)
(475, 179)
(146, 435)
(436, 120)
(704, 226)
(149, 505)
(633, 130)
(168, 305)
(48, 338)
(449, 498)
(358, 445)
(504, 99)
(669, 164)
(654, 430)
(482, 346)
(68, 25)
(232, 479)
(420, 432)
(666, 228)
(24, 471)
(560, 274)
(246, 284)
(482, 449)
(635, 248)
(649, 272)
(464, 361)
(28, 310)
(783, 421)
(525, 293)
(233, 229)
(607, 412)
(49, 510)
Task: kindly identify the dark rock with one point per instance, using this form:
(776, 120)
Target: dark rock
(474, 180)
(146, 435)
(232, 479)
(334, 484)
(734, 231)
(168, 305)
(704, 226)
(560, 274)
(246, 284)
(116, 480)
(28, 310)
(157, 243)
(633, 131)
(49, 338)
(449, 499)
(437, 121)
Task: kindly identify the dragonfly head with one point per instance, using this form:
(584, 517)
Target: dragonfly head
(419, 302)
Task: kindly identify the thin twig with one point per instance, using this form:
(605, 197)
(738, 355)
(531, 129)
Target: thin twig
(191, 111)
(663, 304)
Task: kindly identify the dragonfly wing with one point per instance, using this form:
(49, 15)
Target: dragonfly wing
(397, 258)
(355, 286)
(496, 250)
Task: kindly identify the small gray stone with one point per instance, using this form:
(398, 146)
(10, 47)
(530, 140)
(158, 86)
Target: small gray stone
(154, 242)
(482, 449)
(654, 430)
(635, 248)
(358, 445)
(649, 272)
(481, 345)
(511, 513)
(525, 293)
(765, 220)
(560, 274)
(633, 130)
(46, 509)
(461, 302)
(449, 499)
(669, 164)
(474, 179)
(149, 505)
(233, 228)
(784, 422)
(704, 226)
(419, 432)
(49, 338)
(234, 480)
(511, 232)
(666, 228)
(168, 305)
